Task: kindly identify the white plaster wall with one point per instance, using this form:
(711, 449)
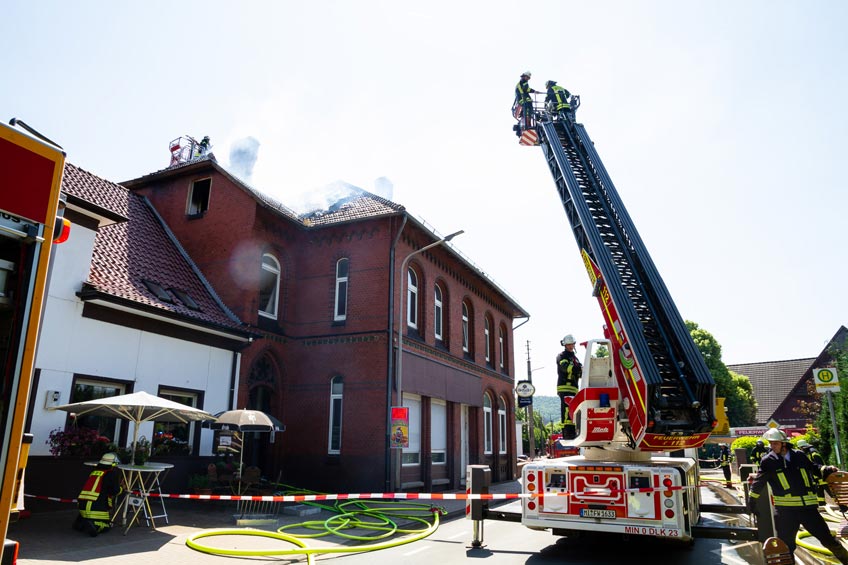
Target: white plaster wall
(70, 344)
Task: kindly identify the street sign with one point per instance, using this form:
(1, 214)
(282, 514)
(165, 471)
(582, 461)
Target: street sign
(525, 389)
(826, 379)
(524, 401)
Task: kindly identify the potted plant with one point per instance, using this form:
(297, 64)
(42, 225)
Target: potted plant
(199, 484)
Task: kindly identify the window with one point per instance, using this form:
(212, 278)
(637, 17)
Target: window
(412, 454)
(269, 286)
(438, 432)
(502, 348)
(466, 327)
(438, 313)
(174, 438)
(487, 333)
(487, 424)
(158, 291)
(84, 390)
(412, 299)
(186, 299)
(198, 197)
(335, 440)
(341, 290)
(502, 431)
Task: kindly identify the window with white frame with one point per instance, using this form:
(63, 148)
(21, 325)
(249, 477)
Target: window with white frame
(502, 348)
(466, 345)
(269, 286)
(174, 438)
(334, 445)
(487, 424)
(83, 390)
(411, 299)
(438, 312)
(502, 431)
(438, 431)
(487, 332)
(340, 312)
(412, 454)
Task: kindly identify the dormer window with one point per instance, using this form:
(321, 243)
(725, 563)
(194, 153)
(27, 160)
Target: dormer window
(198, 198)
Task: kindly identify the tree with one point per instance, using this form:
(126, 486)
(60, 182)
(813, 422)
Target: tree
(840, 409)
(736, 389)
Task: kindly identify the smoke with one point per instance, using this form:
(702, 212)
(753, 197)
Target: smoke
(384, 188)
(243, 154)
(329, 197)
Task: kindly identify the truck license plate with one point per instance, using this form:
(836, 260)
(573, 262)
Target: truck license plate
(593, 513)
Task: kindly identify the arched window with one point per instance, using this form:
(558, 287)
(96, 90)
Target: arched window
(503, 434)
(487, 424)
(334, 445)
(269, 286)
(438, 313)
(466, 327)
(502, 348)
(340, 312)
(412, 299)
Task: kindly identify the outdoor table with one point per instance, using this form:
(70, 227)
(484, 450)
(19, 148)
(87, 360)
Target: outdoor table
(138, 482)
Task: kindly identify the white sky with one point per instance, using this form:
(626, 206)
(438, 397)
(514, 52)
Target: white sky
(721, 123)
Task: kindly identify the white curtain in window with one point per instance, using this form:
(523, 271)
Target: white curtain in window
(412, 454)
(438, 431)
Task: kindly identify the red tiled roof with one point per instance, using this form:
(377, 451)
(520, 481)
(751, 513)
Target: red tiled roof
(359, 205)
(127, 253)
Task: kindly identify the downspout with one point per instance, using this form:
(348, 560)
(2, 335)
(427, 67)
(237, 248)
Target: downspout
(390, 364)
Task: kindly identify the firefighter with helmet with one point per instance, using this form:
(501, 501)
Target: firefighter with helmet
(524, 101)
(758, 453)
(817, 459)
(569, 370)
(724, 460)
(793, 478)
(98, 495)
(557, 99)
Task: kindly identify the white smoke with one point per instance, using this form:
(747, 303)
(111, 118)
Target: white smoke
(384, 188)
(243, 155)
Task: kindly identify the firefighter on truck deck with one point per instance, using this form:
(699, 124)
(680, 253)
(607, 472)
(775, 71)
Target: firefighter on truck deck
(568, 376)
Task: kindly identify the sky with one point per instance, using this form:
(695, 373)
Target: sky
(722, 124)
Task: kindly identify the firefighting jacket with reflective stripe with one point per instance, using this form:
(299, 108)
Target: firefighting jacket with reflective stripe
(568, 372)
(93, 485)
(792, 482)
(558, 96)
(522, 92)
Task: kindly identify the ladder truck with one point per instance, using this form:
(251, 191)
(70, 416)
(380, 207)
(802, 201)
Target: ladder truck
(646, 399)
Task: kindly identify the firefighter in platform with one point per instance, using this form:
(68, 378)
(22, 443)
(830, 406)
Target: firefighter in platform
(524, 101)
(569, 370)
(792, 478)
(817, 459)
(557, 99)
(724, 459)
(758, 453)
(98, 495)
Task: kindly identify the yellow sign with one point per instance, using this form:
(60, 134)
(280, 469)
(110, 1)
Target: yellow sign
(723, 426)
(826, 379)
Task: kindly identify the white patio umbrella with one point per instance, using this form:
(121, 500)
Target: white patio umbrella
(244, 420)
(138, 407)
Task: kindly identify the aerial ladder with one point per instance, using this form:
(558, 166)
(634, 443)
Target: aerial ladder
(646, 399)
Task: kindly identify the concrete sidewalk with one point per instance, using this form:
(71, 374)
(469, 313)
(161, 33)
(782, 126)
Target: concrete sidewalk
(46, 537)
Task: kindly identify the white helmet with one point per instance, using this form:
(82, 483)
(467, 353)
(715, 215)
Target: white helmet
(567, 340)
(802, 444)
(109, 459)
(526, 74)
(775, 434)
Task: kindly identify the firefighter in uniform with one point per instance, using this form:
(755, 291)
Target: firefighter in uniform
(523, 99)
(758, 453)
(557, 99)
(817, 459)
(792, 478)
(568, 377)
(98, 495)
(724, 461)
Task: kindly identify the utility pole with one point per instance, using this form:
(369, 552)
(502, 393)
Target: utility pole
(529, 409)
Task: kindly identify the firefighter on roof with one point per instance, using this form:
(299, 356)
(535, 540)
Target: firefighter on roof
(793, 478)
(568, 377)
(97, 497)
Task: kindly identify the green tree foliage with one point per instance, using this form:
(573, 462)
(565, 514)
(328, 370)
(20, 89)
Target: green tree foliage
(827, 448)
(736, 389)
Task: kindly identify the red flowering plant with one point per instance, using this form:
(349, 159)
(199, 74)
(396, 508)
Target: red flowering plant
(76, 441)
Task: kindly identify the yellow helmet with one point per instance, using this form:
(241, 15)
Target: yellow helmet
(775, 434)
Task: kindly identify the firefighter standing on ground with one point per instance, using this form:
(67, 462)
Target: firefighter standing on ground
(758, 453)
(557, 99)
(817, 459)
(97, 497)
(568, 376)
(792, 478)
(724, 461)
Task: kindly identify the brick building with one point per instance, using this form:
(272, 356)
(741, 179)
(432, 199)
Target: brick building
(323, 291)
